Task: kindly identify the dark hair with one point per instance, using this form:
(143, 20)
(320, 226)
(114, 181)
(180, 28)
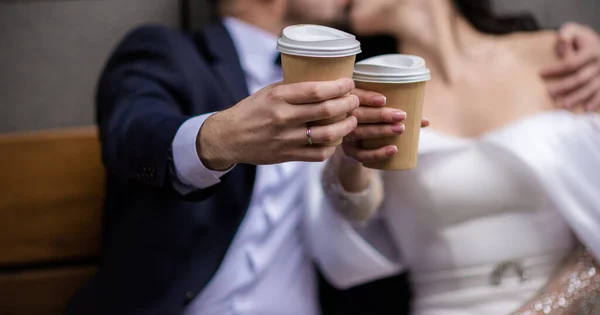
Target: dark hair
(481, 15)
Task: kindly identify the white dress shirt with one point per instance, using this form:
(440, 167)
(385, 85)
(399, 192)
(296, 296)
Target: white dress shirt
(267, 269)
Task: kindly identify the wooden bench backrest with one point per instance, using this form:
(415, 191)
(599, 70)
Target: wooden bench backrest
(51, 190)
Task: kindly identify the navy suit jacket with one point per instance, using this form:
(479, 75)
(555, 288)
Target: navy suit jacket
(160, 248)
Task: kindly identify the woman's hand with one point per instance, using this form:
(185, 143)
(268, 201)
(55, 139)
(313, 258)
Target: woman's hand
(374, 121)
(577, 75)
(361, 191)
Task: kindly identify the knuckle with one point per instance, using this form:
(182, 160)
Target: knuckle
(274, 94)
(313, 91)
(279, 117)
(352, 102)
(328, 134)
(342, 87)
(327, 109)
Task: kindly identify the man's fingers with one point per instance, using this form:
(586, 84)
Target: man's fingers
(312, 153)
(329, 133)
(311, 92)
(367, 156)
(574, 81)
(324, 110)
(369, 98)
(375, 131)
(569, 64)
(375, 115)
(582, 95)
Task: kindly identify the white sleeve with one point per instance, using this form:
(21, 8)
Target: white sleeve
(573, 179)
(191, 173)
(347, 255)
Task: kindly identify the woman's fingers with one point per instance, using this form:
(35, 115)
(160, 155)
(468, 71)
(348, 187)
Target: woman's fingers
(375, 131)
(367, 156)
(376, 115)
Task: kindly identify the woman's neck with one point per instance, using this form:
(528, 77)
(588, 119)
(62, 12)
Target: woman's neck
(446, 41)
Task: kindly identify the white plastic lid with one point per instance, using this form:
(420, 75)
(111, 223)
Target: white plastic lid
(317, 41)
(393, 68)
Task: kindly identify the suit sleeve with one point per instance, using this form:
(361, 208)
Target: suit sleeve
(143, 99)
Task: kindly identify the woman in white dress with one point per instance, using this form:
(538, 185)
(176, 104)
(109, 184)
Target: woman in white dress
(506, 188)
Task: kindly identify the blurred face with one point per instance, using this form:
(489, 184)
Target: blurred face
(371, 17)
(316, 11)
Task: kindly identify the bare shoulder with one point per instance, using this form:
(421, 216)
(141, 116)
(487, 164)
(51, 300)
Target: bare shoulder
(535, 48)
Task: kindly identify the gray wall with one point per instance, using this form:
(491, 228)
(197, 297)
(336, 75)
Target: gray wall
(553, 13)
(51, 52)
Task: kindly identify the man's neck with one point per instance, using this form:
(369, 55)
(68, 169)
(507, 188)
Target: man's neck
(268, 17)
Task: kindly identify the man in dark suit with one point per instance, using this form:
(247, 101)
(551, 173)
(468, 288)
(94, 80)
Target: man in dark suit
(191, 225)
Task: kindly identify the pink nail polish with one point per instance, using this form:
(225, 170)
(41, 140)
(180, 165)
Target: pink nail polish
(379, 100)
(398, 128)
(391, 151)
(398, 116)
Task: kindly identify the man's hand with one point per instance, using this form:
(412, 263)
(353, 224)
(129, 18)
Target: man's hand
(374, 121)
(577, 76)
(270, 126)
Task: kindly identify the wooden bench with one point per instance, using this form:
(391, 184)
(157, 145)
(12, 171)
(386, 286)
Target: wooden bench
(51, 190)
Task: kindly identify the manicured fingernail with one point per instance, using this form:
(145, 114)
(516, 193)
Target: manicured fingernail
(379, 100)
(356, 100)
(398, 116)
(398, 128)
(391, 151)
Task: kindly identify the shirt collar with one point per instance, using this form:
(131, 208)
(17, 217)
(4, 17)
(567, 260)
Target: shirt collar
(257, 48)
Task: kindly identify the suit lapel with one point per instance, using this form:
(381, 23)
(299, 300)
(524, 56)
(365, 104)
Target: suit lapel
(225, 61)
(216, 45)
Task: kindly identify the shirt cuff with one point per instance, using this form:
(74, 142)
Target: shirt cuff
(191, 173)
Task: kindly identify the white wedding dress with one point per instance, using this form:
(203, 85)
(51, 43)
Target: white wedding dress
(482, 224)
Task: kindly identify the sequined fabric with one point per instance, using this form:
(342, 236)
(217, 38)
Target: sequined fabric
(578, 295)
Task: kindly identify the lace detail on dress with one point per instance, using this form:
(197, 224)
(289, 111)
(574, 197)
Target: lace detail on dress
(356, 207)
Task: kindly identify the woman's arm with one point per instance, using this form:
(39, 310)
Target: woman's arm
(353, 190)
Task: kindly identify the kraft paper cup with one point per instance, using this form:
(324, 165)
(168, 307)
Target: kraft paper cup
(317, 53)
(401, 79)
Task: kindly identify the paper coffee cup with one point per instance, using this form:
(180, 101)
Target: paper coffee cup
(401, 79)
(317, 53)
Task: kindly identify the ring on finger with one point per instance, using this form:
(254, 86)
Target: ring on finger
(308, 135)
